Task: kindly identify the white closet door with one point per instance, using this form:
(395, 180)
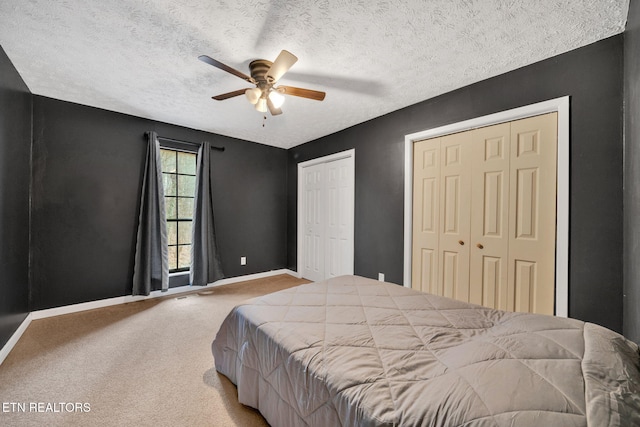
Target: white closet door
(328, 219)
(314, 184)
(339, 219)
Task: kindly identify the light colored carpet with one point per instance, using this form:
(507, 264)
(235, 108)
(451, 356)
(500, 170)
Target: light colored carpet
(146, 363)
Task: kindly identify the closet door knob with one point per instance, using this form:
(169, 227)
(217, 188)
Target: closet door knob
(479, 245)
(461, 242)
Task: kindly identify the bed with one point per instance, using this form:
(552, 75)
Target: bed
(352, 351)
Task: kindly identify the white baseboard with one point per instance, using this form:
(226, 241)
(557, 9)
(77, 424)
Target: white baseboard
(6, 349)
(293, 273)
(75, 308)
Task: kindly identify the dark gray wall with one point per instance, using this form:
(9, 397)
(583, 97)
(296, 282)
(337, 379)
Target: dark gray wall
(632, 174)
(592, 77)
(88, 166)
(15, 158)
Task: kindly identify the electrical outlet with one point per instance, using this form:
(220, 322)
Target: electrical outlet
(243, 260)
(381, 277)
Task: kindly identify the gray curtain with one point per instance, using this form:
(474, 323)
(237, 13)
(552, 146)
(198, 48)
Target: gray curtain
(205, 259)
(151, 268)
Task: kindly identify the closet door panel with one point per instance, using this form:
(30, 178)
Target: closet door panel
(455, 212)
(532, 222)
(489, 220)
(314, 223)
(338, 218)
(426, 215)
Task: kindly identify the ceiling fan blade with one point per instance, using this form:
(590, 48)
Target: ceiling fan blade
(229, 95)
(281, 65)
(224, 67)
(303, 93)
(272, 108)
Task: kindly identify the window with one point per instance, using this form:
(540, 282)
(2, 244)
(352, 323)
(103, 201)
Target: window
(179, 180)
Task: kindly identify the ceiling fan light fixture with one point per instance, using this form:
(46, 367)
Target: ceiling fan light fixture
(253, 95)
(264, 75)
(261, 105)
(276, 98)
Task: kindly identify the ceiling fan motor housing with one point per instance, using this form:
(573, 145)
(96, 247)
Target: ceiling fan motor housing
(259, 69)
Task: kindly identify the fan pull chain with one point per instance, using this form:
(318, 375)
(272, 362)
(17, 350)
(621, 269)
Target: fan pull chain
(264, 119)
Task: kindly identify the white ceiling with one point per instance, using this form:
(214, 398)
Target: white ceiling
(371, 56)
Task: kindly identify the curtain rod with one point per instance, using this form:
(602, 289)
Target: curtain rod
(188, 142)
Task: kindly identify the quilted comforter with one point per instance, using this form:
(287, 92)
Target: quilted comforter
(352, 351)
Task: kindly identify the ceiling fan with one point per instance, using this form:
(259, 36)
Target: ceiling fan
(265, 74)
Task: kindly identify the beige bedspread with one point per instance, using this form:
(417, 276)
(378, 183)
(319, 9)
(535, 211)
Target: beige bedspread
(352, 351)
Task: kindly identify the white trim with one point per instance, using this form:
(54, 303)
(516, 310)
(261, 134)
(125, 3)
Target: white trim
(330, 158)
(75, 308)
(294, 274)
(559, 105)
(6, 349)
(247, 277)
(347, 154)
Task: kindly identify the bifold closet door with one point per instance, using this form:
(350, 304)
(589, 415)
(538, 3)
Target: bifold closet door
(484, 211)
(441, 215)
(328, 219)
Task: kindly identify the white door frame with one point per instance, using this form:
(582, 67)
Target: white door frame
(348, 154)
(559, 105)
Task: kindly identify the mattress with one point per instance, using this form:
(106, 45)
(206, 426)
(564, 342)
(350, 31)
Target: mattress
(352, 351)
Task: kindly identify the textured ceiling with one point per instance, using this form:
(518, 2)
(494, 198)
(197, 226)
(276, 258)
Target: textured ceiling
(371, 56)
